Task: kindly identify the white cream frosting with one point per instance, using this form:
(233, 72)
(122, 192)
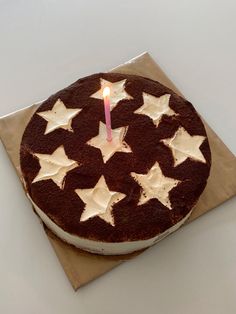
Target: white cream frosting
(105, 248)
(59, 117)
(183, 146)
(155, 185)
(99, 201)
(155, 107)
(117, 92)
(54, 166)
(108, 148)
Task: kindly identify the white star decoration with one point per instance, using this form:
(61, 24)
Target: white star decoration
(155, 185)
(184, 145)
(155, 107)
(109, 148)
(117, 92)
(59, 117)
(99, 201)
(54, 166)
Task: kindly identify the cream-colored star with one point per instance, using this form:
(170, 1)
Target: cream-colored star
(109, 148)
(59, 117)
(99, 201)
(184, 145)
(55, 166)
(118, 92)
(155, 185)
(155, 107)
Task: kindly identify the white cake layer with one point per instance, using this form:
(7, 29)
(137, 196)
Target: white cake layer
(104, 248)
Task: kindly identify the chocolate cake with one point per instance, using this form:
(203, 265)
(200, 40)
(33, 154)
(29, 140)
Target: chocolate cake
(120, 196)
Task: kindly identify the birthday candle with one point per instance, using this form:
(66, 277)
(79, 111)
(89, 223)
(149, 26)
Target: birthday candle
(106, 97)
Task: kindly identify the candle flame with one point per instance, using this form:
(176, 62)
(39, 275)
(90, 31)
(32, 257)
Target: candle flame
(106, 91)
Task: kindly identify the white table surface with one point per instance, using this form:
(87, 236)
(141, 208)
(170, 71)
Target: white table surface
(47, 44)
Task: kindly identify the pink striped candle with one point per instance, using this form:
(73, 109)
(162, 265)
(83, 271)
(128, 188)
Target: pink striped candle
(107, 109)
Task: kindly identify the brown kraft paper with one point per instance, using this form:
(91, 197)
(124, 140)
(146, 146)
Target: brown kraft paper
(82, 267)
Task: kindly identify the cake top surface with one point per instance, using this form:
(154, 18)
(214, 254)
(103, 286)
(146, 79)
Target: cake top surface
(140, 184)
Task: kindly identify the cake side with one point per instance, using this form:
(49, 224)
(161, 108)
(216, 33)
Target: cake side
(105, 248)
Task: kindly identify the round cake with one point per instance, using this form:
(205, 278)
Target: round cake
(120, 196)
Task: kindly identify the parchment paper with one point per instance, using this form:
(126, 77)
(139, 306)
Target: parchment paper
(82, 267)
